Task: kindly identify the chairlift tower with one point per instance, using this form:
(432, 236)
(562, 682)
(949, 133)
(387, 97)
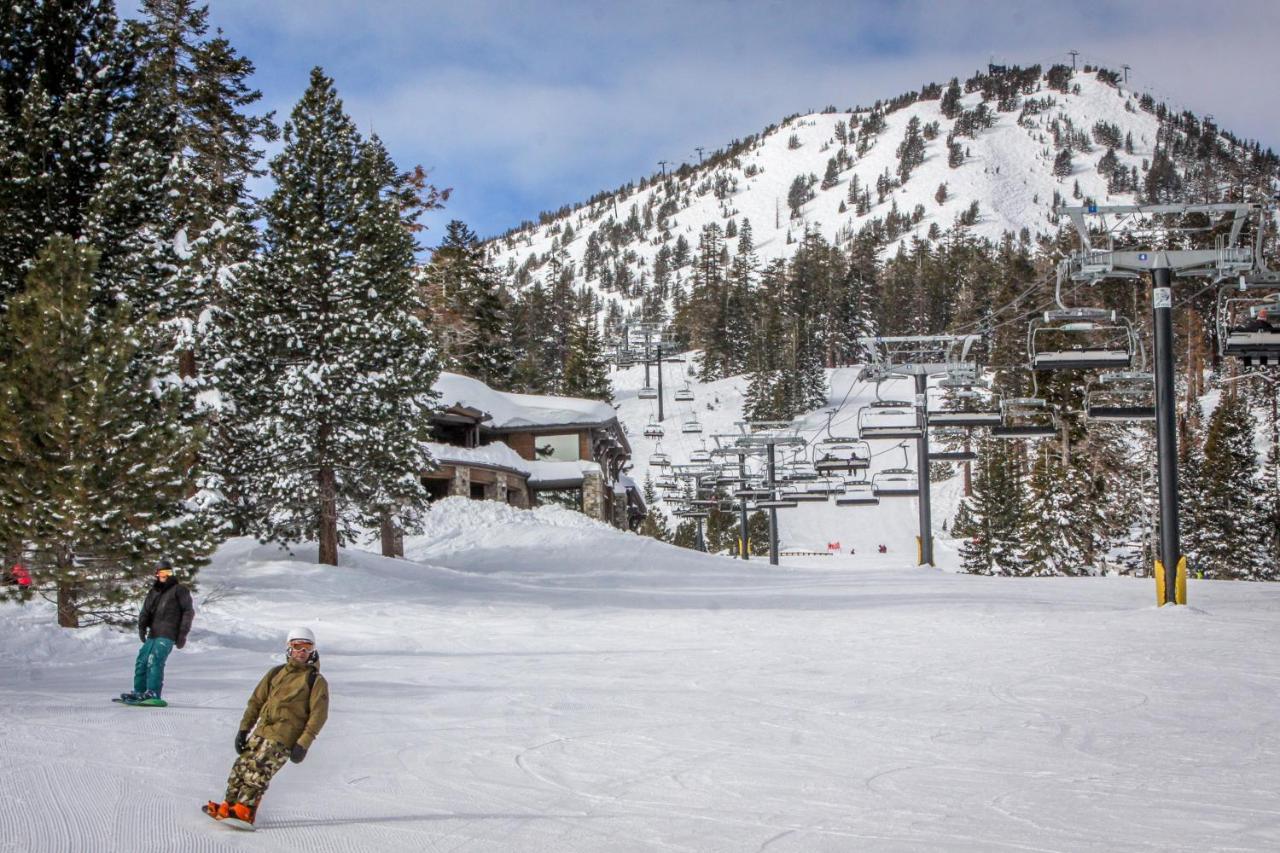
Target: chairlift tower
(653, 334)
(1098, 259)
(769, 435)
(921, 356)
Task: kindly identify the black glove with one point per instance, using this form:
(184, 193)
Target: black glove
(142, 635)
(182, 642)
(242, 741)
(298, 753)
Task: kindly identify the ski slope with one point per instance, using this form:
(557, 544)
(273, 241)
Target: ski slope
(535, 681)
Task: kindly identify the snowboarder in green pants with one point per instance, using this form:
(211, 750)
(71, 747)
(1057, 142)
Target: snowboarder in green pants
(285, 713)
(166, 614)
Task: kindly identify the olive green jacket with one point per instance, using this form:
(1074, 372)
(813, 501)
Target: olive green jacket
(278, 706)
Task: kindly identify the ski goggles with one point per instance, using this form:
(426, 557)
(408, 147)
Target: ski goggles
(300, 645)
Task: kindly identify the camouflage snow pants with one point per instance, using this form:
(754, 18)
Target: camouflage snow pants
(253, 770)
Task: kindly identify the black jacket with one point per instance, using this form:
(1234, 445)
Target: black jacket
(167, 612)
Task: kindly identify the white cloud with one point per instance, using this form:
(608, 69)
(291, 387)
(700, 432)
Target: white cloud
(550, 102)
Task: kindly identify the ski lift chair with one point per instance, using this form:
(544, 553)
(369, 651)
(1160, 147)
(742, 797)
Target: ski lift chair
(953, 434)
(692, 425)
(888, 419)
(653, 429)
(685, 394)
(858, 493)
(658, 459)
(1249, 326)
(1080, 339)
(827, 486)
(648, 392)
(853, 456)
(1026, 417)
(947, 418)
(753, 493)
(1125, 396)
(895, 483)
(700, 456)
(801, 495)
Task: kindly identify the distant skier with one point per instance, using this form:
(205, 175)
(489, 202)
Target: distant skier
(285, 713)
(167, 614)
(884, 549)
(19, 576)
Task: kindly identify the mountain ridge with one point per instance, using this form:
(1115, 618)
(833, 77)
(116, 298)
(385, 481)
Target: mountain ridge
(1001, 148)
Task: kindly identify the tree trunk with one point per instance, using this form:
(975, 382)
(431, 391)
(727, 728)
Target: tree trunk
(392, 536)
(328, 516)
(187, 364)
(67, 615)
(68, 592)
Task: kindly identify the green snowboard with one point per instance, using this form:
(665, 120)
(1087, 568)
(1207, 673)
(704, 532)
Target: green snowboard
(147, 703)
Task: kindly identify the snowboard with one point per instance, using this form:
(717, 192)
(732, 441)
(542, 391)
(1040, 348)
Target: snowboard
(145, 703)
(230, 821)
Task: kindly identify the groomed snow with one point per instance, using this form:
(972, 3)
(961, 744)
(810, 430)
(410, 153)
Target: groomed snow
(536, 681)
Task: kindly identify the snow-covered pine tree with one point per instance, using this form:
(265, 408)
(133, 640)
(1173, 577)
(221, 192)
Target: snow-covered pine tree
(585, 372)
(92, 450)
(910, 150)
(994, 518)
(63, 87)
(655, 521)
(469, 308)
(530, 317)
(331, 377)
(741, 303)
(205, 235)
(1062, 166)
(1229, 540)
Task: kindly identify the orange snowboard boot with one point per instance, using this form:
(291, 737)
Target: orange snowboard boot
(241, 815)
(216, 810)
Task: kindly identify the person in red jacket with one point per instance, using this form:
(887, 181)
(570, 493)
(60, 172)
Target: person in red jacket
(19, 576)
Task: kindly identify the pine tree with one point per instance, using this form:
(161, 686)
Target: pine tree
(1062, 164)
(92, 452)
(994, 519)
(469, 308)
(655, 521)
(910, 150)
(832, 175)
(950, 104)
(332, 374)
(585, 372)
(1229, 540)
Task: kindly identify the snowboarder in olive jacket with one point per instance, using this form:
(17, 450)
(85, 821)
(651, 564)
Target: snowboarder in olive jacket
(166, 614)
(285, 713)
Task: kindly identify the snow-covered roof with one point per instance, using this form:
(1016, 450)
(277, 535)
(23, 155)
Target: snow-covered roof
(512, 411)
(559, 475)
(495, 455)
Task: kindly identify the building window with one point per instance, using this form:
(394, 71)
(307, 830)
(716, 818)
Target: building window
(561, 448)
(477, 491)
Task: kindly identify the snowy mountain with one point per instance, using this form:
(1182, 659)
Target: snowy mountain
(1009, 138)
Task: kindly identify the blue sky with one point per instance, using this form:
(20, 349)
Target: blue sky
(527, 106)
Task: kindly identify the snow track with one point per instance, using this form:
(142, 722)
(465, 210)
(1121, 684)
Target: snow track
(615, 694)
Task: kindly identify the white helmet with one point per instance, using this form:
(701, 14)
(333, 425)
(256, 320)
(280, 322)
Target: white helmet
(302, 633)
